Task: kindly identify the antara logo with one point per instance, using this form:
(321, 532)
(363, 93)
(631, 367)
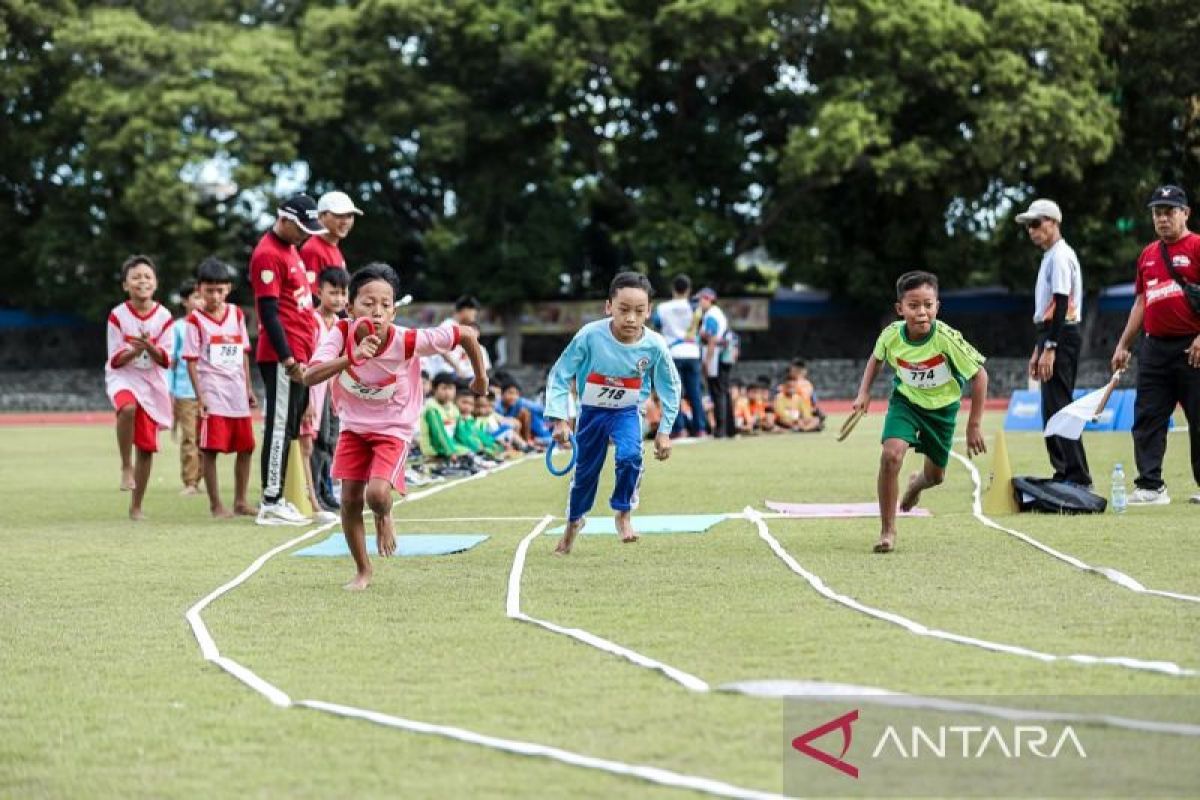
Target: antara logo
(942, 742)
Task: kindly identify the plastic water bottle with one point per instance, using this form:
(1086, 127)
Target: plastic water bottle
(1117, 497)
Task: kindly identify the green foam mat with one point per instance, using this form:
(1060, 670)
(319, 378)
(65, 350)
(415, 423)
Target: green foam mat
(408, 544)
(668, 523)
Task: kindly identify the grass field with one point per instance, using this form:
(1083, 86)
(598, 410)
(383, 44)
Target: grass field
(105, 692)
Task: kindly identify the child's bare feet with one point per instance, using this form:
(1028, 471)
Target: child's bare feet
(221, 512)
(625, 527)
(912, 494)
(886, 543)
(568, 537)
(136, 514)
(127, 481)
(361, 581)
(189, 490)
(245, 510)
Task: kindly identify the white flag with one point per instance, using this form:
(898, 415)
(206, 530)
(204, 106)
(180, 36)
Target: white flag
(1070, 420)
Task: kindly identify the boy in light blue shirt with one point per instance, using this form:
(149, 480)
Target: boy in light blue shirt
(612, 364)
(183, 397)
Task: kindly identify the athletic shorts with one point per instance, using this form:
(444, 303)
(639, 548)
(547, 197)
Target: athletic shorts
(363, 456)
(145, 430)
(226, 434)
(929, 431)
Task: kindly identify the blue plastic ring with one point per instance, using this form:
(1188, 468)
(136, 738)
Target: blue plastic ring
(558, 473)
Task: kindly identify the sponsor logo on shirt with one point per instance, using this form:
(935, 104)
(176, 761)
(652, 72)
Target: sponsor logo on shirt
(266, 276)
(1168, 289)
(642, 365)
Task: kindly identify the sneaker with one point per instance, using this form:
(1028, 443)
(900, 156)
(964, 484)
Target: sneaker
(1195, 498)
(281, 513)
(323, 516)
(1149, 497)
(414, 477)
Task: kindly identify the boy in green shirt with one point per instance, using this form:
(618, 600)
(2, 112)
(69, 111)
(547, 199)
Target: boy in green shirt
(932, 362)
(439, 419)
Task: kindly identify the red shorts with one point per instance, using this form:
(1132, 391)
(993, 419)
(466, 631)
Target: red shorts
(226, 434)
(363, 456)
(145, 430)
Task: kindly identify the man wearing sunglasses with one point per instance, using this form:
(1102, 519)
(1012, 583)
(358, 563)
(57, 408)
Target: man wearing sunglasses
(1058, 306)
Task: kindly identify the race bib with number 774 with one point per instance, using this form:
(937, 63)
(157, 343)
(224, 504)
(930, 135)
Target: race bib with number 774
(928, 374)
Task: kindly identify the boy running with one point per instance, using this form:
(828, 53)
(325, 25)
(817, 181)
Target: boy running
(932, 361)
(612, 364)
(378, 403)
(217, 350)
(140, 332)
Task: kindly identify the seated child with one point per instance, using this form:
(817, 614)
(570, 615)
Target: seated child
(502, 429)
(439, 419)
(532, 422)
(470, 433)
(378, 403)
(792, 411)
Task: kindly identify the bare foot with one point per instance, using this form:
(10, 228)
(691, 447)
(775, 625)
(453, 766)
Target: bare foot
(188, 491)
(136, 514)
(913, 493)
(625, 527)
(244, 510)
(886, 543)
(385, 536)
(361, 581)
(221, 512)
(568, 537)
(127, 481)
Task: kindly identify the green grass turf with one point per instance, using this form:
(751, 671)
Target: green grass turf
(105, 693)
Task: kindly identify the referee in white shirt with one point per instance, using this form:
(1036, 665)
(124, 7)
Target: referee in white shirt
(1058, 308)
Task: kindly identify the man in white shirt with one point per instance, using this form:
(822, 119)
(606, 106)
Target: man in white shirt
(714, 338)
(1058, 308)
(679, 324)
(466, 312)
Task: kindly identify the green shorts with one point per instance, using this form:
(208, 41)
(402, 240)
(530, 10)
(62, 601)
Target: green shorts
(929, 431)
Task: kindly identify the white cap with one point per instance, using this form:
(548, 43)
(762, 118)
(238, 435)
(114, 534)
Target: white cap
(337, 203)
(1038, 209)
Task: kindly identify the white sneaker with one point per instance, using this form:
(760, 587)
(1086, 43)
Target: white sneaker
(281, 513)
(1149, 497)
(324, 516)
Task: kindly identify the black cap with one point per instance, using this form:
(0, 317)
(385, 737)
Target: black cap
(1168, 196)
(302, 210)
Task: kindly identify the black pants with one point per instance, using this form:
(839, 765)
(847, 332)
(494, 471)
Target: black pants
(322, 455)
(1066, 455)
(718, 389)
(286, 403)
(1164, 379)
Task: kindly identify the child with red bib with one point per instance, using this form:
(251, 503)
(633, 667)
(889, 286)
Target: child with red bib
(217, 349)
(377, 394)
(140, 332)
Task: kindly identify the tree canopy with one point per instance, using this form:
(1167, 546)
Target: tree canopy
(529, 149)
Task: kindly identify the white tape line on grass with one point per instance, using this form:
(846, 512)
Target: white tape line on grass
(278, 697)
(818, 690)
(1114, 575)
(1163, 667)
(657, 775)
(513, 607)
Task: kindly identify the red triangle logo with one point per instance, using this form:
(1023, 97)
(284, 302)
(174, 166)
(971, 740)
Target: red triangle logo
(842, 723)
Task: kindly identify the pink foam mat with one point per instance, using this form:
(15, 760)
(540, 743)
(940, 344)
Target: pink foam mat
(845, 510)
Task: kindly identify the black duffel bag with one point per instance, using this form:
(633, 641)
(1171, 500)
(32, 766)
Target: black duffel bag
(1056, 497)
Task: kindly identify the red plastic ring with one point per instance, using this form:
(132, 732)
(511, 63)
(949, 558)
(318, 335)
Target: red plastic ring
(353, 339)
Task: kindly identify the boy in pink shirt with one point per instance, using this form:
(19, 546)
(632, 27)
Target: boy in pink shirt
(217, 349)
(140, 334)
(378, 402)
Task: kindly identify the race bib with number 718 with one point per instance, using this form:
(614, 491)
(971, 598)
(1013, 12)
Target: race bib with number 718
(605, 391)
(928, 374)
